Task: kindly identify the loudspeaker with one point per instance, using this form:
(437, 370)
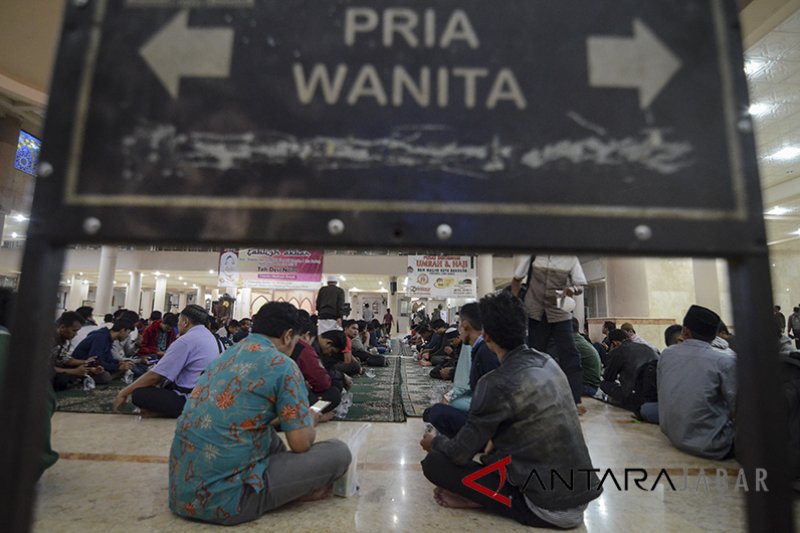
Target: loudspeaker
(393, 287)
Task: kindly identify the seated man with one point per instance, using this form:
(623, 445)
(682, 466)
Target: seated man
(647, 381)
(98, 346)
(70, 372)
(448, 417)
(590, 361)
(244, 330)
(438, 327)
(697, 389)
(627, 327)
(158, 336)
(162, 391)
(522, 412)
(330, 347)
(227, 464)
(444, 361)
(319, 382)
(624, 360)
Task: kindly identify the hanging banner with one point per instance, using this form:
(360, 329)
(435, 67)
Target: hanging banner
(264, 268)
(442, 276)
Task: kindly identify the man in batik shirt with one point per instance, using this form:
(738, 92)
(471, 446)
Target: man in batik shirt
(227, 463)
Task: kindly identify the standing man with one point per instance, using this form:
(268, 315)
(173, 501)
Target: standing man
(227, 464)
(330, 306)
(793, 326)
(163, 390)
(388, 320)
(550, 277)
(780, 319)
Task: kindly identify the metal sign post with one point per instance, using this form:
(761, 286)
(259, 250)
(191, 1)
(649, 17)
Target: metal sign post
(551, 125)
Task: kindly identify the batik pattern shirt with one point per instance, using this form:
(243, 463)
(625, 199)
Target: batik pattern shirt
(222, 439)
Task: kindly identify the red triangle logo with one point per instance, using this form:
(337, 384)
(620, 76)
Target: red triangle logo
(470, 480)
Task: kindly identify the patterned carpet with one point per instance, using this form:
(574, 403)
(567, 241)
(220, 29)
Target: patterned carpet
(377, 399)
(419, 390)
(98, 400)
(401, 389)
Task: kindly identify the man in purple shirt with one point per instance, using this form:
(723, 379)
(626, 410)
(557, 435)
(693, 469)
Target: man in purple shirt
(162, 390)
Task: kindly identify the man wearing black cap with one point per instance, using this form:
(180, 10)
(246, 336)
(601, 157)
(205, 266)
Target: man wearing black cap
(697, 389)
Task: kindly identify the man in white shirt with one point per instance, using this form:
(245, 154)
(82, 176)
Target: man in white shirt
(551, 278)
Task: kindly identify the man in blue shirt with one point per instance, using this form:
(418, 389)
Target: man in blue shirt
(178, 370)
(98, 344)
(227, 464)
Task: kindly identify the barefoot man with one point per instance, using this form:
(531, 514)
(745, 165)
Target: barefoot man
(523, 417)
(227, 464)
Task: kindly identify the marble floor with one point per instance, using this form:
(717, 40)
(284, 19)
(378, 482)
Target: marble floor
(112, 477)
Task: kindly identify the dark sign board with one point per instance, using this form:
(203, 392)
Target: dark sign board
(609, 125)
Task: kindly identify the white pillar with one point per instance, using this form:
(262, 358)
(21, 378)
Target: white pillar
(160, 298)
(706, 284)
(105, 280)
(201, 296)
(626, 287)
(485, 275)
(74, 293)
(182, 297)
(147, 302)
(242, 306)
(134, 292)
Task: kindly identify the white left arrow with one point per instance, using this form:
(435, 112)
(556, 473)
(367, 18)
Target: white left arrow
(178, 51)
(642, 62)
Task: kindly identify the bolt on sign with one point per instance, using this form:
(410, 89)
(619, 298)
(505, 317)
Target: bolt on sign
(592, 125)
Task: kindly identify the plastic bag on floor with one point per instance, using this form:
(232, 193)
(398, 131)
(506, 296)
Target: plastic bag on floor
(347, 485)
(88, 383)
(344, 404)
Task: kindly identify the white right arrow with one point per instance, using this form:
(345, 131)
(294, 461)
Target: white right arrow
(642, 62)
(177, 51)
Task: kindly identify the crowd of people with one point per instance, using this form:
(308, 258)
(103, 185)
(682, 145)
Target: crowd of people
(233, 386)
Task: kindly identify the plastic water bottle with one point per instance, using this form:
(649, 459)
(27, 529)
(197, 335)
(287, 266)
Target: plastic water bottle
(128, 377)
(88, 383)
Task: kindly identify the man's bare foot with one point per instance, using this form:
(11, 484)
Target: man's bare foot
(319, 494)
(445, 498)
(581, 409)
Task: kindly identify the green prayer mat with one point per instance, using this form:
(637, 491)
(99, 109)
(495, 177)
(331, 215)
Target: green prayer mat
(419, 390)
(377, 399)
(98, 400)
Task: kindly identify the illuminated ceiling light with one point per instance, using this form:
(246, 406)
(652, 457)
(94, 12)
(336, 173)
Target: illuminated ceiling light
(167, 275)
(777, 211)
(185, 284)
(180, 278)
(80, 273)
(156, 273)
(130, 273)
(14, 235)
(194, 285)
(380, 283)
(759, 109)
(210, 270)
(114, 282)
(786, 153)
(19, 217)
(342, 278)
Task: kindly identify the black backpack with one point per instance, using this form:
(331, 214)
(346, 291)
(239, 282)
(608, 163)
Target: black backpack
(646, 383)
